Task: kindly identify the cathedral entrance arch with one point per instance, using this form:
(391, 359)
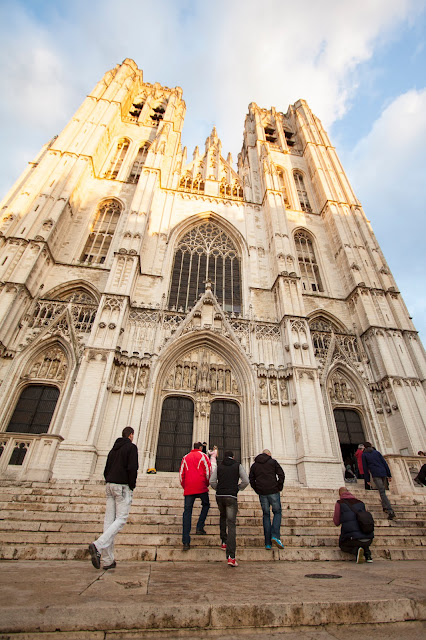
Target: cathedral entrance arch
(348, 411)
(175, 437)
(350, 432)
(225, 427)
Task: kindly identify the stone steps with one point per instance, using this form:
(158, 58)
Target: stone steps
(57, 521)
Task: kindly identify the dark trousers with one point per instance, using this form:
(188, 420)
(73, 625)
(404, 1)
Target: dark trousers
(366, 485)
(187, 514)
(421, 476)
(228, 508)
(352, 546)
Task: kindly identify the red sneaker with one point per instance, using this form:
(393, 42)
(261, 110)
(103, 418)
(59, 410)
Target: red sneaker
(223, 545)
(232, 562)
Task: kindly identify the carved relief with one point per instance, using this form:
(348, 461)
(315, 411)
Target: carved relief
(51, 364)
(203, 372)
(341, 390)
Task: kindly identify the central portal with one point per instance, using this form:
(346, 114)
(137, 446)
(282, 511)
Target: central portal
(225, 427)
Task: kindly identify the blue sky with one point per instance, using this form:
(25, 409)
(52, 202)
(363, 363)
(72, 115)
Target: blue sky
(360, 66)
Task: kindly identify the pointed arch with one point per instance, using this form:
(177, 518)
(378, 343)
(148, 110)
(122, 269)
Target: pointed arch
(322, 320)
(102, 231)
(117, 159)
(138, 163)
(42, 374)
(224, 350)
(75, 290)
(302, 194)
(205, 251)
(308, 261)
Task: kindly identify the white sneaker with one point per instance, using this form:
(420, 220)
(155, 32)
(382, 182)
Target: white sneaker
(360, 556)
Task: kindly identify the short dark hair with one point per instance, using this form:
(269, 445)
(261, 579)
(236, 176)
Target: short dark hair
(228, 454)
(127, 431)
(198, 445)
(367, 444)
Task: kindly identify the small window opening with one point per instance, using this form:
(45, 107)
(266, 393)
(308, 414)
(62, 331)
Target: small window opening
(289, 138)
(136, 109)
(18, 454)
(270, 134)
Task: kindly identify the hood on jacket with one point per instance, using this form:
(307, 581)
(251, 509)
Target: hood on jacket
(347, 495)
(120, 442)
(262, 458)
(228, 461)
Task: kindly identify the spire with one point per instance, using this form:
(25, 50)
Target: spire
(213, 140)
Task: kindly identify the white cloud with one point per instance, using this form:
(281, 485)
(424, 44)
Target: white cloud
(387, 169)
(225, 55)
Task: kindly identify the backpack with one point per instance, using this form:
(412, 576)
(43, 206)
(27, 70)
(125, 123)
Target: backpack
(364, 518)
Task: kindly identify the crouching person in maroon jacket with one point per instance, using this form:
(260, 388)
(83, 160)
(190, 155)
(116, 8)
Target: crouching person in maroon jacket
(352, 539)
(194, 475)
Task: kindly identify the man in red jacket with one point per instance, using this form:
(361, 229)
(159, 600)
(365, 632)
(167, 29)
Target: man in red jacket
(194, 475)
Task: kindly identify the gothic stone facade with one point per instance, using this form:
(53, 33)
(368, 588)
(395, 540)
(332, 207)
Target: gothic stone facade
(249, 308)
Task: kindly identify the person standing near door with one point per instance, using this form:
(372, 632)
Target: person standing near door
(228, 478)
(194, 476)
(375, 465)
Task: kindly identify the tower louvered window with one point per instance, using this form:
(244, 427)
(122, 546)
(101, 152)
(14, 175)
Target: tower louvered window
(102, 231)
(117, 159)
(302, 193)
(138, 163)
(206, 253)
(309, 271)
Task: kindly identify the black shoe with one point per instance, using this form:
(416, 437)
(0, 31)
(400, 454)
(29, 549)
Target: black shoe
(95, 555)
(200, 532)
(186, 547)
(110, 566)
(391, 515)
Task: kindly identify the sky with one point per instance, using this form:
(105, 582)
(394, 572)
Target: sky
(361, 66)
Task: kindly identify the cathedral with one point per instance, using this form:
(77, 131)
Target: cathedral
(249, 308)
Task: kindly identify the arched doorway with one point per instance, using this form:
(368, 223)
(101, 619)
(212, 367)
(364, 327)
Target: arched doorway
(34, 409)
(175, 437)
(225, 427)
(350, 432)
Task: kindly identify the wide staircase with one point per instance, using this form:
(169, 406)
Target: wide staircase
(57, 521)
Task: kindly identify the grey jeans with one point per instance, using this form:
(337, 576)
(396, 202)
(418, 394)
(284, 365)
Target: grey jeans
(118, 503)
(380, 486)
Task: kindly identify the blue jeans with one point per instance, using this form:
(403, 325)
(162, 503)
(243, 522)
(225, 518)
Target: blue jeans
(187, 514)
(266, 502)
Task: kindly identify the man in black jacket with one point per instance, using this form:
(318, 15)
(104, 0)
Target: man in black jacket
(120, 473)
(267, 479)
(228, 479)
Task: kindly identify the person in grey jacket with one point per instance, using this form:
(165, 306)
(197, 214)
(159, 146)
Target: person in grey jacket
(228, 478)
(375, 465)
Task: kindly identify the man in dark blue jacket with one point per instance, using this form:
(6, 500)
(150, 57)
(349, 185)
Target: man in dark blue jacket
(352, 539)
(375, 465)
(120, 473)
